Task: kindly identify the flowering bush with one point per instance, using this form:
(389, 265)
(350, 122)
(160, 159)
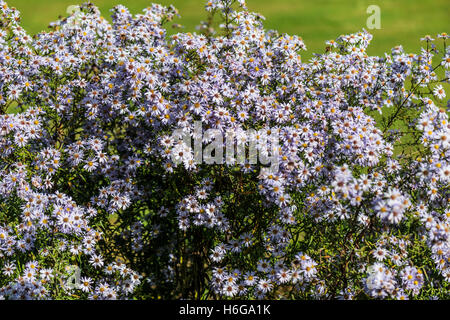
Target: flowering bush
(100, 199)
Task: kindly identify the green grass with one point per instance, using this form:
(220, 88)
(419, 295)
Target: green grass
(402, 21)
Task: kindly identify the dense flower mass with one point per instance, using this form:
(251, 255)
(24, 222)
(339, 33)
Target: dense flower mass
(99, 199)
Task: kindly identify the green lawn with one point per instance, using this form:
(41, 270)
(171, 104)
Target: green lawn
(402, 21)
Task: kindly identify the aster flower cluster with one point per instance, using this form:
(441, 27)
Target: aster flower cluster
(95, 178)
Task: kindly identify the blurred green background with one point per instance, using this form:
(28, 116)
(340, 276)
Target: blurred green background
(402, 21)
